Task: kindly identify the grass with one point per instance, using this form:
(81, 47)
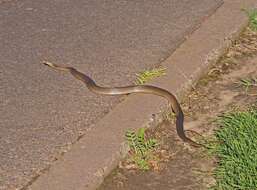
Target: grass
(237, 152)
(252, 15)
(141, 149)
(148, 75)
(247, 83)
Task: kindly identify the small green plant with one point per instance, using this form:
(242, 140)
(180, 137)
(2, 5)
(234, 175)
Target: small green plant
(148, 75)
(252, 15)
(247, 83)
(237, 150)
(140, 148)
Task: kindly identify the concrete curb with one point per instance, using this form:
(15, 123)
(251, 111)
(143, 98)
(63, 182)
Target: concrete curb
(84, 168)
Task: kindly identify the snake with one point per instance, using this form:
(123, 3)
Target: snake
(145, 89)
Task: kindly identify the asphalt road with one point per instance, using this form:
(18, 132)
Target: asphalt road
(42, 111)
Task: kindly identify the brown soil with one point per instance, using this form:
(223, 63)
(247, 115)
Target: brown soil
(181, 167)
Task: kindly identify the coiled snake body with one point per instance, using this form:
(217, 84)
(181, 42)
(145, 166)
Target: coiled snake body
(147, 89)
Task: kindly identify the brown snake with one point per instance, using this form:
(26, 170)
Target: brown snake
(147, 89)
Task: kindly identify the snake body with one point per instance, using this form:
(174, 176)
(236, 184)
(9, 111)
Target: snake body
(146, 89)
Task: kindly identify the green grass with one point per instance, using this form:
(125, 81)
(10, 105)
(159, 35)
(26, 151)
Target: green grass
(252, 15)
(141, 149)
(148, 75)
(237, 152)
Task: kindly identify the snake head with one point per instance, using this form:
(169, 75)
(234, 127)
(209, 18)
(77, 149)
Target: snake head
(48, 64)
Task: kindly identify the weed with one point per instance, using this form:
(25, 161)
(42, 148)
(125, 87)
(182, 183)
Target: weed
(247, 83)
(140, 148)
(252, 15)
(148, 75)
(237, 152)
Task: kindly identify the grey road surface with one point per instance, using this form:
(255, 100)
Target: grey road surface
(42, 112)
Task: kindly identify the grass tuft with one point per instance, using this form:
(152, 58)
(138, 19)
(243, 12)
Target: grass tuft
(237, 153)
(148, 75)
(252, 15)
(247, 83)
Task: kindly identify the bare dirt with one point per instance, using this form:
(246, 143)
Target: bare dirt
(182, 167)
